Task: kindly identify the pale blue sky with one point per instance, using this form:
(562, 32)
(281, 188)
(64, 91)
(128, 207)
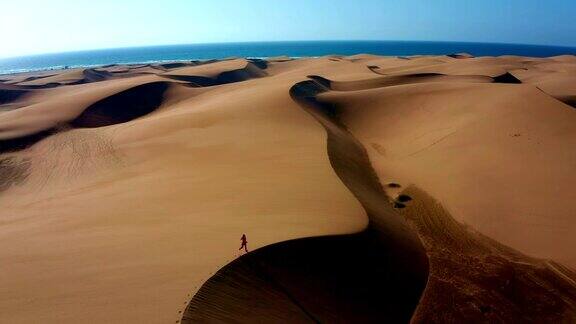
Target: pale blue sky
(41, 26)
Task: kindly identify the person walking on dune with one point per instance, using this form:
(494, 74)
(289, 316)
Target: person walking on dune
(244, 243)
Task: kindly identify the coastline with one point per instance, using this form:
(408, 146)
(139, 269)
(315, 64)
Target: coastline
(295, 49)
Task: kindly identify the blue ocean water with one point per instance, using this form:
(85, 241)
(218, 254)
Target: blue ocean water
(267, 49)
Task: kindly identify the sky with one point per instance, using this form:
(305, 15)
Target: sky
(41, 26)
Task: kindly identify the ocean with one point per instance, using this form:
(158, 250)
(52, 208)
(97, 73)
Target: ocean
(267, 49)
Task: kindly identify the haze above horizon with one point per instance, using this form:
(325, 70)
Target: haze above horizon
(37, 27)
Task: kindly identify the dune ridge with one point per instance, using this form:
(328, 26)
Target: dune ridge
(387, 256)
(480, 296)
(489, 289)
(23, 127)
(203, 75)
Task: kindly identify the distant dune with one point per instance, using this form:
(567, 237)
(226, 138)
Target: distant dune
(424, 189)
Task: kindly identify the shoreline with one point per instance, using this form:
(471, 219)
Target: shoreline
(295, 49)
(92, 66)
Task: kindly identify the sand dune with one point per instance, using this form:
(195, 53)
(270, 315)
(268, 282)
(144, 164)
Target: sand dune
(395, 80)
(227, 71)
(54, 108)
(555, 77)
(69, 77)
(371, 189)
(135, 102)
(9, 95)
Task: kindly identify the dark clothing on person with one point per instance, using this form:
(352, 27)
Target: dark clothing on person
(244, 243)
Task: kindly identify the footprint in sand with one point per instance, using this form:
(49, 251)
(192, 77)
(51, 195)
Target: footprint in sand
(379, 148)
(403, 198)
(399, 205)
(400, 201)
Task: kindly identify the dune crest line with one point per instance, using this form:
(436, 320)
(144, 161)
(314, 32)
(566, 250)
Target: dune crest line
(421, 238)
(375, 275)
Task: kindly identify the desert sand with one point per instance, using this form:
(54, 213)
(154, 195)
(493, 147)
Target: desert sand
(371, 189)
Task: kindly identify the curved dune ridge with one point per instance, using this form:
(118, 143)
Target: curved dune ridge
(374, 275)
(135, 102)
(492, 281)
(98, 107)
(353, 278)
(126, 188)
(217, 73)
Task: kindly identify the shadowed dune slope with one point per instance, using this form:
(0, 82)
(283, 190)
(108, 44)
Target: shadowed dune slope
(123, 107)
(23, 142)
(7, 96)
(111, 102)
(343, 279)
(173, 65)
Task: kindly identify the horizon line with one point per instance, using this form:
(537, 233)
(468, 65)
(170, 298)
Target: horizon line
(277, 41)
